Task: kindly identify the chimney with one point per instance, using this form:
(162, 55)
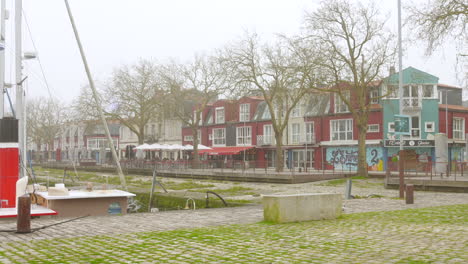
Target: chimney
(392, 70)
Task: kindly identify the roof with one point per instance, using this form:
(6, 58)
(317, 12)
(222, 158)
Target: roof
(224, 150)
(453, 107)
(412, 75)
(318, 104)
(448, 86)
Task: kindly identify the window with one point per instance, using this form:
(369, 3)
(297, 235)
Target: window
(267, 134)
(190, 137)
(310, 137)
(373, 128)
(219, 114)
(153, 129)
(459, 128)
(98, 143)
(373, 94)
(244, 136)
(244, 113)
(392, 91)
(340, 105)
(428, 91)
(295, 133)
(341, 129)
(415, 126)
(219, 136)
(441, 94)
(296, 111)
(429, 126)
(410, 95)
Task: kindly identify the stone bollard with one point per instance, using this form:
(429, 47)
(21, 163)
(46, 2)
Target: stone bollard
(409, 194)
(23, 224)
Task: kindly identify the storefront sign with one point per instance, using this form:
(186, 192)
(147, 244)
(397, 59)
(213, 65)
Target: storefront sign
(410, 143)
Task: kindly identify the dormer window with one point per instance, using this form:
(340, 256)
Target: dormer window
(219, 114)
(244, 113)
(340, 105)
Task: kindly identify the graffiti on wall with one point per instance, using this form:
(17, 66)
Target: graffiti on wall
(346, 158)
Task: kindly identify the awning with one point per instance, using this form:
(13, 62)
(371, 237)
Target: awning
(224, 150)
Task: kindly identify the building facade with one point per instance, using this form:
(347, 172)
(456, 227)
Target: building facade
(322, 133)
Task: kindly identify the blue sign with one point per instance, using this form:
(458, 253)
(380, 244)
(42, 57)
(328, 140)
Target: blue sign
(402, 125)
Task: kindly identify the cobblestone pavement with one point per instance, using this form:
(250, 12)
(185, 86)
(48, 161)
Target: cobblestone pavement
(125, 239)
(171, 220)
(428, 235)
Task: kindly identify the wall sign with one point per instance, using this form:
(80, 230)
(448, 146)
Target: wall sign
(402, 124)
(410, 143)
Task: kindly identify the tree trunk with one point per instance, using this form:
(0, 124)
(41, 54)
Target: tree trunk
(362, 157)
(141, 136)
(279, 152)
(196, 157)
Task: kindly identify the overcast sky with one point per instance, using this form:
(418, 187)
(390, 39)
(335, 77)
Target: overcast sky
(120, 32)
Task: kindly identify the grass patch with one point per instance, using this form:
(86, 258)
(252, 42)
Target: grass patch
(338, 182)
(168, 202)
(187, 185)
(233, 191)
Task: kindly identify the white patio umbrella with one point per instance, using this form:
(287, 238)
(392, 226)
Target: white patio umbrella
(155, 146)
(143, 147)
(200, 147)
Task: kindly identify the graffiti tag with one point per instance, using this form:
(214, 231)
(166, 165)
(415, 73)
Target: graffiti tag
(344, 157)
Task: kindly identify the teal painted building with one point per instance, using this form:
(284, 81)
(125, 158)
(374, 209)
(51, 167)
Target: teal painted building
(421, 102)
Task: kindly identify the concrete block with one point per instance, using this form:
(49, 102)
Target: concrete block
(301, 207)
(58, 191)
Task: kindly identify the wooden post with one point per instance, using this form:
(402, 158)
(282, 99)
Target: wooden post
(409, 194)
(23, 224)
(401, 171)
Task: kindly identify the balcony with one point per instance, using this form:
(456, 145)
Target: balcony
(303, 139)
(412, 103)
(265, 140)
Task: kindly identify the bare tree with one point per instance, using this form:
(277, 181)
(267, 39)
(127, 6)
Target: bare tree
(440, 21)
(355, 47)
(133, 96)
(44, 119)
(84, 106)
(277, 72)
(190, 88)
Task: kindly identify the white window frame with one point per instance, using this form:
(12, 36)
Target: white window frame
(424, 86)
(219, 140)
(335, 124)
(295, 133)
(391, 94)
(441, 96)
(374, 93)
(244, 136)
(340, 105)
(188, 138)
(244, 112)
(309, 132)
(268, 137)
(373, 128)
(391, 126)
(220, 119)
(296, 111)
(458, 128)
(429, 129)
